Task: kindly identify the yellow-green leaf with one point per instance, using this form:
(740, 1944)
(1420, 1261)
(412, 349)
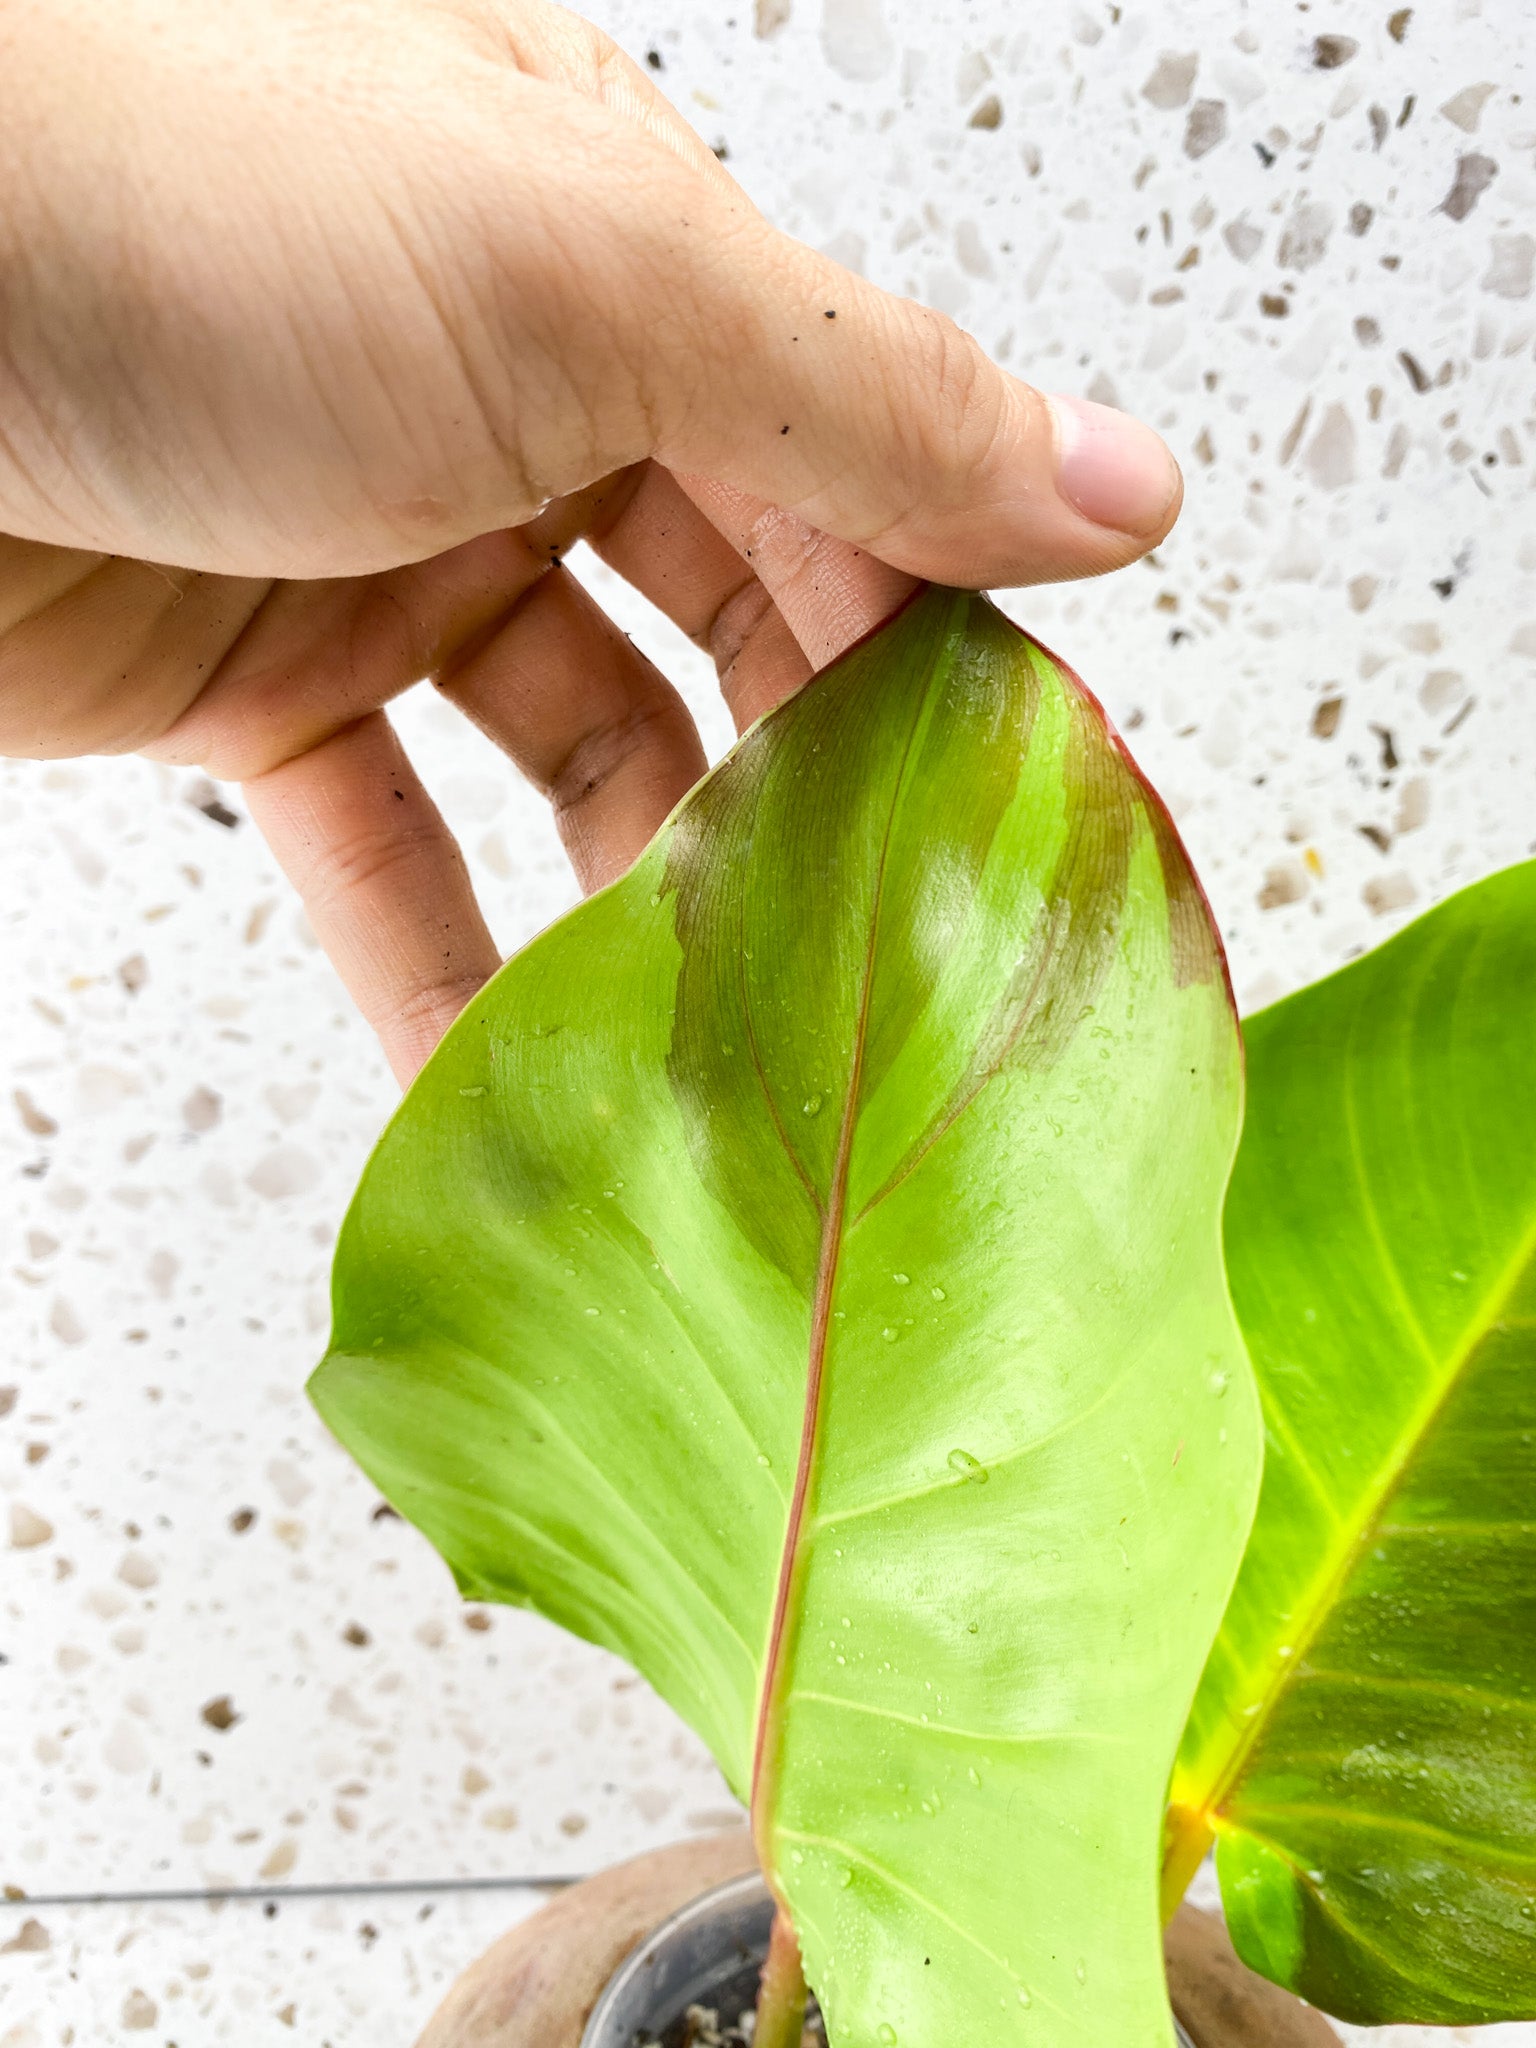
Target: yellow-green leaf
(800, 1271)
(1364, 1741)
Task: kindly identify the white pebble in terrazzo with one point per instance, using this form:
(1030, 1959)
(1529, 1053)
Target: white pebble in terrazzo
(1274, 232)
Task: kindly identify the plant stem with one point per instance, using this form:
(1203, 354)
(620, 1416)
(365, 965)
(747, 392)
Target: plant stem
(781, 1989)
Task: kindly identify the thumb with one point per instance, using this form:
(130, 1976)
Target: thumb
(880, 421)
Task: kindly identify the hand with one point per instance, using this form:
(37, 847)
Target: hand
(329, 327)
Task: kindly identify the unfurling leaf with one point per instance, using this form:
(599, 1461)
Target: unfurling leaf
(799, 1271)
(1364, 1741)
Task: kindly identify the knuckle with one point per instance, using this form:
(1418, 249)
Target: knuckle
(607, 747)
(739, 616)
(359, 861)
(430, 1008)
(961, 421)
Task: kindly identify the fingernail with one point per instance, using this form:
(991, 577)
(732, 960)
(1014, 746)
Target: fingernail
(1116, 471)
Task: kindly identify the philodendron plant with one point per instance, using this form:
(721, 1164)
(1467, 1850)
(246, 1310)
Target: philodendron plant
(1363, 1744)
(801, 1271)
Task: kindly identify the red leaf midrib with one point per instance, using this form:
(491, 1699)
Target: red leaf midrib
(770, 1702)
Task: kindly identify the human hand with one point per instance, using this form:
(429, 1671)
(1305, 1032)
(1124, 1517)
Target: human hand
(328, 329)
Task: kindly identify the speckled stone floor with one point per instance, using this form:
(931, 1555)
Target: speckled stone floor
(1299, 239)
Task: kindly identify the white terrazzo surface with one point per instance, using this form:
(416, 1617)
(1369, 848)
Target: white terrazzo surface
(1317, 280)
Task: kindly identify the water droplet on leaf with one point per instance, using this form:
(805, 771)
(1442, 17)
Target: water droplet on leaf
(968, 1467)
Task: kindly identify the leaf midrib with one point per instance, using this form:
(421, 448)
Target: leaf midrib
(771, 1703)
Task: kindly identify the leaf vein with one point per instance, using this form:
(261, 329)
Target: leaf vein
(888, 1876)
(931, 1727)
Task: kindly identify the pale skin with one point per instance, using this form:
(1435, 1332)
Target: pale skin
(327, 327)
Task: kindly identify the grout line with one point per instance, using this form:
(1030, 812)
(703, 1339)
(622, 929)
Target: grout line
(13, 1896)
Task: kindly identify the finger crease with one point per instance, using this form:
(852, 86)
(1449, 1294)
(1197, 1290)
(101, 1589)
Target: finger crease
(460, 658)
(737, 618)
(427, 1001)
(359, 862)
(602, 751)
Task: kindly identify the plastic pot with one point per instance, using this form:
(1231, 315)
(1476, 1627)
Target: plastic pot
(626, 1953)
(707, 1954)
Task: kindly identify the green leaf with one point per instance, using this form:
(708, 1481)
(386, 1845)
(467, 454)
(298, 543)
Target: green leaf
(800, 1272)
(1364, 1741)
